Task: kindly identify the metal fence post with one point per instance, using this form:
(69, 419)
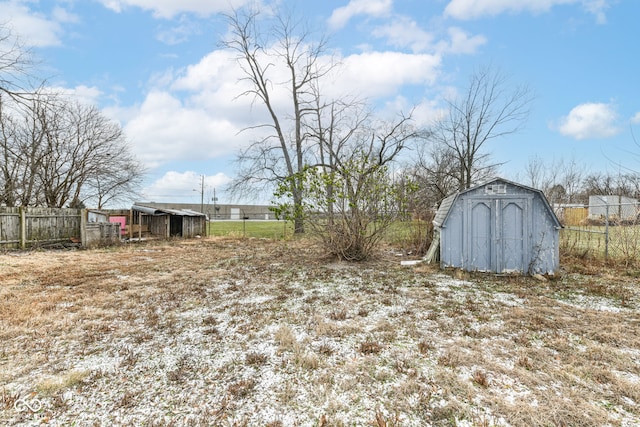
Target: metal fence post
(606, 230)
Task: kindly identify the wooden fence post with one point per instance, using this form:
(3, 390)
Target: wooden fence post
(23, 227)
(83, 227)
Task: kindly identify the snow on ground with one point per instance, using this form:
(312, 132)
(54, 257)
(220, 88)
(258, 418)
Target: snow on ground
(284, 344)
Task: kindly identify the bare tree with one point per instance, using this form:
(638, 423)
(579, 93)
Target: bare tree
(21, 145)
(333, 126)
(87, 156)
(434, 170)
(350, 200)
(16, 64)
(619, 184)
(116, 180)
(10, 157)
(561, 180)
(59, 153)
(486, 110)
(543, 174)
(279, 156)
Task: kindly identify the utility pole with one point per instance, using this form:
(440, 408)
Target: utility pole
(202, 194)
(215, 199)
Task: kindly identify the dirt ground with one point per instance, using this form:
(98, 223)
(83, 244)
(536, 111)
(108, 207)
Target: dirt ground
(249, 332)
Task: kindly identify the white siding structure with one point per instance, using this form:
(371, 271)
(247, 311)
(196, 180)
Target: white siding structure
(619, 207)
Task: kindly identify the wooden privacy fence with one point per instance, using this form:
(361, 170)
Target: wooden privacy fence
(574, 215)
(25, 227)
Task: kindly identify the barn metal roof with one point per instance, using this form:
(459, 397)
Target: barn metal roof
(164, 211)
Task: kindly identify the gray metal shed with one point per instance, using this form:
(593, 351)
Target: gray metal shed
(500, 227)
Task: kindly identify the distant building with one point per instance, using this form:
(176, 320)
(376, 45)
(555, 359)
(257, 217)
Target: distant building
(619, 207)
(218, 211)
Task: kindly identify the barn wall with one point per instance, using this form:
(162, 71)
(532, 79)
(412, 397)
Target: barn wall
(193, 226)
(617, 206)
(158, 225)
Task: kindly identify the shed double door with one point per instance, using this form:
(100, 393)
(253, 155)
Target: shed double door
(496, 238)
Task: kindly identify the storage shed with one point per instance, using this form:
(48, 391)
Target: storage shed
(500, 227)
(166, 223)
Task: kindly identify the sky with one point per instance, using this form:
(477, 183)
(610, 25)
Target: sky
(158, 67)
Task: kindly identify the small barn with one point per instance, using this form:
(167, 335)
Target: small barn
(500, 227)
(166, 223)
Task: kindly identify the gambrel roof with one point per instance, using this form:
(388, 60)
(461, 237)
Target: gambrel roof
(445, 206)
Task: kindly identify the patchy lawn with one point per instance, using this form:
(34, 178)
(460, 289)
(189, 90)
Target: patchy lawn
(260, 333)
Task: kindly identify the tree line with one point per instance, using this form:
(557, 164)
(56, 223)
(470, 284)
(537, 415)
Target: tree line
(340, 171)
(336, 167)
(54, 150)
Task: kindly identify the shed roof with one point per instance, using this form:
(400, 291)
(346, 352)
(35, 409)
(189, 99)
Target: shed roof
(443, 209)
(164, 211)
(445, 206)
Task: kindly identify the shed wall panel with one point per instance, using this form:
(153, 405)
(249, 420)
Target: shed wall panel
(504, 227)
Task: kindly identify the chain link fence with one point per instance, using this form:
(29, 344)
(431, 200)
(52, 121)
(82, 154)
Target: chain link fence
(607, 230)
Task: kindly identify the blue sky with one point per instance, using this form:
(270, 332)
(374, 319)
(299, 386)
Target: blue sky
(157, 67)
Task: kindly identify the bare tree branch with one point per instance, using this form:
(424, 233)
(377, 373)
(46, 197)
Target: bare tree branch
(487, 110)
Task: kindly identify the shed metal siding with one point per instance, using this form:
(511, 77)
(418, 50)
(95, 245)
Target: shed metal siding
(498, 227)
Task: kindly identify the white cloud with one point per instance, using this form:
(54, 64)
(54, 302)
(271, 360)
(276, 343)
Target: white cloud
(461, 42)
(597, 8)
(473, 9)
(197, 114)
(163, 129)
(83, 94)
(590, 121)
(405, 32)
(180, 32)
(184, 187)
(62, 15)
(342, 15)
(424, 112)
(379, 74)
(636, 118)
(33, 29)
(167, 9)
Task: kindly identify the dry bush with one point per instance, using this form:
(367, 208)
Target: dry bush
(338, 314)
(381, 420)
(480, 377)
(305, 359)
(450, 359)
(285, 337)
(370, 347)
(242, 388)
(254, 358)
(424, 347)
(326, 349)
(8, 399)
(70, 379)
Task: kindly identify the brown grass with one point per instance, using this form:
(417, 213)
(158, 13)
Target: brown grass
(253, 332)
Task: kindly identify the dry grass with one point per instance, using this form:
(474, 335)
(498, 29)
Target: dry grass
(253, 332)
